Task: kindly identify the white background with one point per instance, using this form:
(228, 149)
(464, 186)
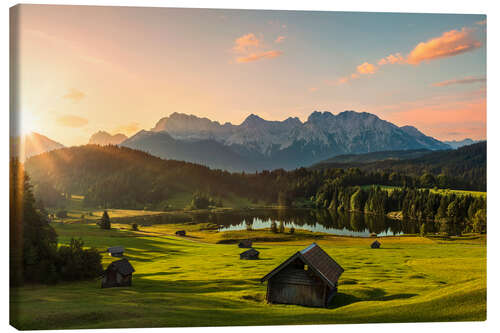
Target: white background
(489, 8)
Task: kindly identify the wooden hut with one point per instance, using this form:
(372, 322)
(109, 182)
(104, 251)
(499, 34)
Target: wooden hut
(180, 233)
(118, 274)
(116, 251)
(309, 278)
(251, 254)
(246, 243)
(375, 245)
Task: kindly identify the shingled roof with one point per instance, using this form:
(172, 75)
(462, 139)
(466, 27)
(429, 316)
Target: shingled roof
(251, 252)
(116, 249)
(317, 260)
(122, 266)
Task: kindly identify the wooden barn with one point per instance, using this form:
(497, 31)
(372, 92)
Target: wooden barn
(375, 245)
(246, 243)
(251, 254)
(116, 251)
(118, 274)
(309, 278)
(180, 233)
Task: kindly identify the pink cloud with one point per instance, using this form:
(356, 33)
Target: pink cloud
(250, 48)
(343, 80)
(75, 95)
(367, 68)
(363, 69)
(72, 121)
(246, 42)
(258, 56)
(396, 58)
(483, 22)
(280, 39)
(465, 80)
(450, 43)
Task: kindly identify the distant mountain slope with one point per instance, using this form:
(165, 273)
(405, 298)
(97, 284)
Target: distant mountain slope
(206, 151)
(457, 144)
(104, 138)
(32, 144)
(123, 177)
(258, 144)
(468, 164)
(378, 156)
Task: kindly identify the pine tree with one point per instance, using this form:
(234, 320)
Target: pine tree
(105, 222)
(274, 227)
(33, 242)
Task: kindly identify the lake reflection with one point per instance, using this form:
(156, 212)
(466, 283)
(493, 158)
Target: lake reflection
(316, 220)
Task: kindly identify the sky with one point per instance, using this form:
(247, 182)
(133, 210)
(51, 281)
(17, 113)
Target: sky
(82, 69)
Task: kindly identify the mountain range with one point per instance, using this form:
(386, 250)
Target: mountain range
(258, 144)
(31, 144)
(104, 138)
(457, 144)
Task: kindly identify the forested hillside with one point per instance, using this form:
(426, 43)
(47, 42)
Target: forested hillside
(111, 176)
(377, 156)
(463, 168)
(123, 177)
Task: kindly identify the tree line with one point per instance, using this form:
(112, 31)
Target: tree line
(121, 177)
(449, 213)
(463, 168)
(35, 256)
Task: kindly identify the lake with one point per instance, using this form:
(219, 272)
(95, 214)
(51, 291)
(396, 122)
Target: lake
(315, 220)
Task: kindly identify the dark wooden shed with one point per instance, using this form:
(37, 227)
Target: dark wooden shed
(309, 278)
(180, 233)
(118, 274)
(116, 251)
(251, 254)
(246, 243)
(375, 245)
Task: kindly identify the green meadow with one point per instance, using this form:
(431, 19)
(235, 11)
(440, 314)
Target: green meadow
(197, 281)
(432, 190)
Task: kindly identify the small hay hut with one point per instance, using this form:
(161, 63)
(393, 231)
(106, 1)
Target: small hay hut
(309, 277)
(118, 274)
(375, 245)
(180, 233)
(251, 254)
(116, 251)
(246, 243)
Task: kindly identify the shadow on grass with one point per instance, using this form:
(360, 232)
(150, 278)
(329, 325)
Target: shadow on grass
(138, 276)
(389, 248)
(134, 255)
(188, 286)
(373, 294)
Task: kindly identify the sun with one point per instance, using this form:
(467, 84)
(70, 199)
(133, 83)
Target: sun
(28, 123)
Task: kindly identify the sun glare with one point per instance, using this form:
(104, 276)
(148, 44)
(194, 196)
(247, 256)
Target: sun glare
(29, 123)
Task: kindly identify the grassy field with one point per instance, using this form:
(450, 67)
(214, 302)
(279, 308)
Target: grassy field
(177, 201)
(77, 212)
(439, 191)
(194, 281)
